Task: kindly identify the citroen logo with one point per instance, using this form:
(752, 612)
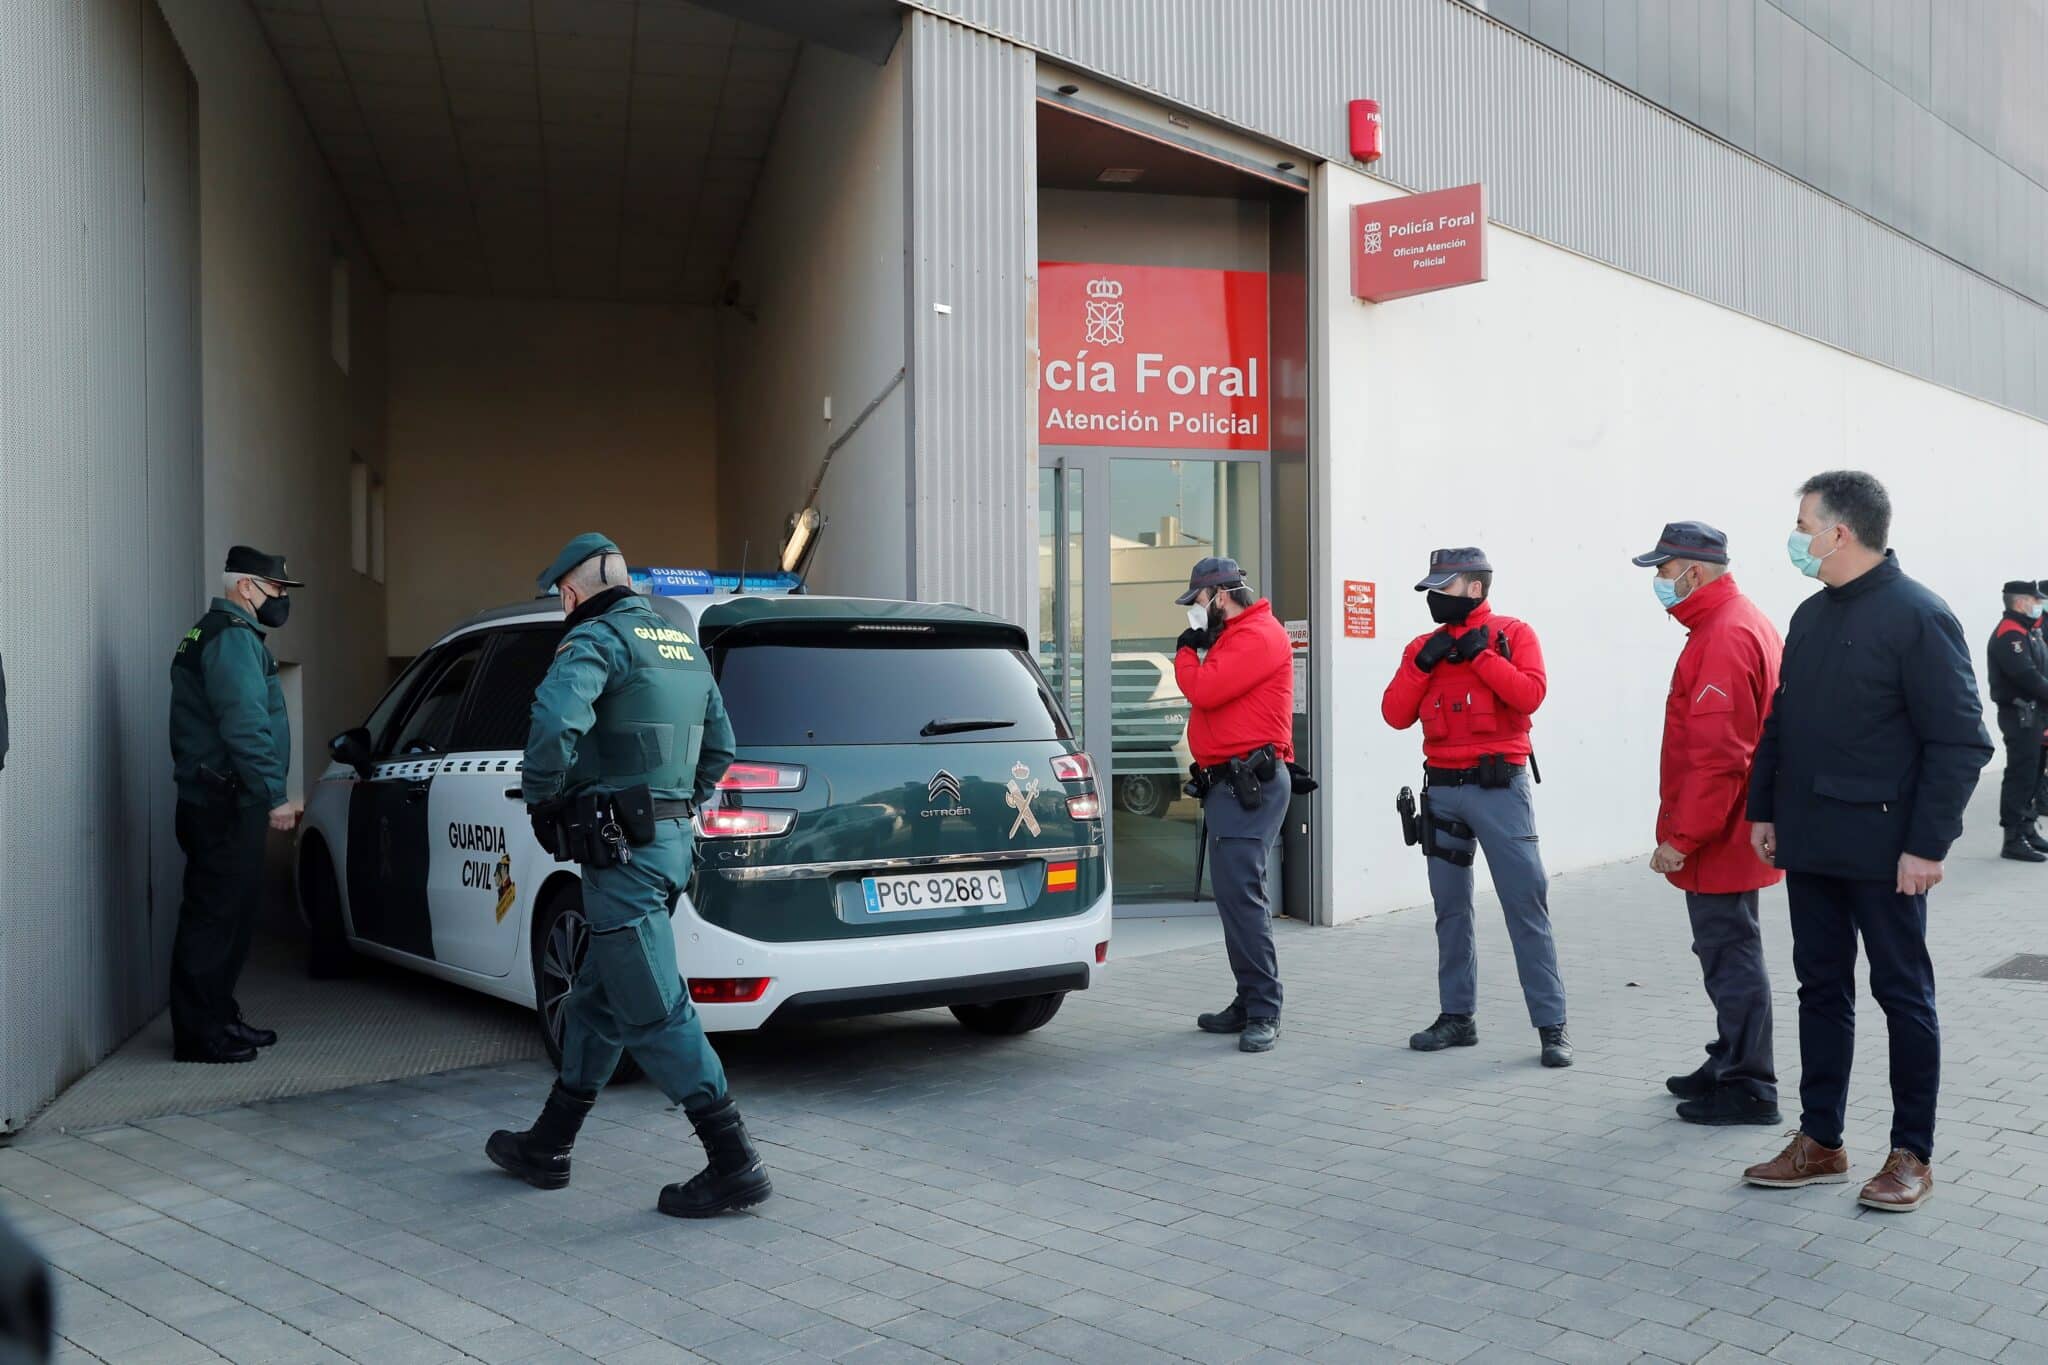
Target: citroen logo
(943, 784)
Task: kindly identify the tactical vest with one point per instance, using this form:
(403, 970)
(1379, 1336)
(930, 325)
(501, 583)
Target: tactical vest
(191, 653)
(649, 725)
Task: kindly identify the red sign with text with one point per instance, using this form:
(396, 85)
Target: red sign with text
(1361, 612)
(1418, 243)
(1147, 355)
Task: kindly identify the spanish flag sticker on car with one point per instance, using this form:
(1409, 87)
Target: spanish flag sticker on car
(1060, 876)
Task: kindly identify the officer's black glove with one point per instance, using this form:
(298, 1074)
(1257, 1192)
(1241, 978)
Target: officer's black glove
(546, 817)
(1435, 650)
(1471, 644)
(1191, 639)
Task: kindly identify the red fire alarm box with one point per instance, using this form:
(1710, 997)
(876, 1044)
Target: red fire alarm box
(1365, 130)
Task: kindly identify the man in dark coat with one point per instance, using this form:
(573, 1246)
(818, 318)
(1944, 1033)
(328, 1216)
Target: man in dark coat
(2017, 659)
(1868, 758)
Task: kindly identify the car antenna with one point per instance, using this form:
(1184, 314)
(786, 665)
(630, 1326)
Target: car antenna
(740, 588)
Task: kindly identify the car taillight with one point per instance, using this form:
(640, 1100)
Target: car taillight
(1086, 806)
(1102, 951)
(1061, 876)
(728, 990)
(1073, 767)
(742, 822)
(762, 777)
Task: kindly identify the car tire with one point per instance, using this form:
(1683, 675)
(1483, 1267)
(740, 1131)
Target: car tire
(1142, 794)
(561, 938)
(328, 956)
(1007, 1018)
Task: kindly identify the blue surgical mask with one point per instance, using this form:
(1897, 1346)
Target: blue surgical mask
(1667, 591)
(1799, 545)
(2036, 610)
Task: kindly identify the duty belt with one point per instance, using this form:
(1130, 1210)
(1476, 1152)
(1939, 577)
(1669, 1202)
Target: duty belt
(1451, 777)
(674, 810)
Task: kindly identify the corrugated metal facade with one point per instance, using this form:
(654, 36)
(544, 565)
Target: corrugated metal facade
(1930, 117)
(99, 500)
(973, 214)
(1579, 161)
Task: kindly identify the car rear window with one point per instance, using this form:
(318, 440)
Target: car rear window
(899, 693)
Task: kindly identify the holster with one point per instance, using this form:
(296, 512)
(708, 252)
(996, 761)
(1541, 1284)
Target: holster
(1495, 772)
(1411, 819)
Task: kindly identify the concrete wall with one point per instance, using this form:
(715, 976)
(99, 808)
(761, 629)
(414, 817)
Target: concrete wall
(1557, 415)
(282, 419)
(1118, 228)
(516, 423)
(819, 313)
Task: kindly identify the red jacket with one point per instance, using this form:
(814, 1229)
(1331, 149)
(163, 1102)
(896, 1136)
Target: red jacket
(1242, 691)
(1720, 693)
(1471, 709)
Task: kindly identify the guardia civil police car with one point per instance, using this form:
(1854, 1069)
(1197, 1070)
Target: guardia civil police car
(909, 822)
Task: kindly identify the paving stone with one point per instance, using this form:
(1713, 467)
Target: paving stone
(1115, 1187)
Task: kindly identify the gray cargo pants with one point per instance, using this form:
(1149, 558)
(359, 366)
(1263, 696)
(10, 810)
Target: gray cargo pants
(1504, 821)
(1730, 945)
(1239, 842)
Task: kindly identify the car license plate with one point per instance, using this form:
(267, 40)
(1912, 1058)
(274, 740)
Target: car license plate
(933, 891)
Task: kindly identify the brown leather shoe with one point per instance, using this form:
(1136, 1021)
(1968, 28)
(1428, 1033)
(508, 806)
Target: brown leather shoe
(1903, 1185)
(1803, 1162)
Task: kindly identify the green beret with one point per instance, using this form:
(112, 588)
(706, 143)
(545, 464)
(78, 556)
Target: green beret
(575, 552)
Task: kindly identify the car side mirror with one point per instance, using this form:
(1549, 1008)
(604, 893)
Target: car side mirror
(353, 748)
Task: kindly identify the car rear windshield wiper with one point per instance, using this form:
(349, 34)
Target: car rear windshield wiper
(960, 724)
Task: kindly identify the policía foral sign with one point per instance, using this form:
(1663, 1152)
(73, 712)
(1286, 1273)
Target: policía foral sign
(1418, 243)
(1132, 355)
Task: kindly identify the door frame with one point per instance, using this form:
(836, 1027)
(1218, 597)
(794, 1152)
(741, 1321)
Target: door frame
(1094, 463)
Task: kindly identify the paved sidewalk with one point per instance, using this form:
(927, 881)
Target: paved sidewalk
(1119, 1188)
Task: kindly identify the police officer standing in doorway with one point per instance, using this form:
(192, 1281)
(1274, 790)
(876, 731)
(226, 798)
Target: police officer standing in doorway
(231, 746)
(2018, 659)
(1474, 682)
(628, 735)
(1236, 668)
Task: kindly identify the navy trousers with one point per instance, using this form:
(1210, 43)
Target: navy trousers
(1828, 914)
(1240, 841)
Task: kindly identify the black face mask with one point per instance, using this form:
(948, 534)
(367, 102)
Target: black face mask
(1447, 610)
(273, 611)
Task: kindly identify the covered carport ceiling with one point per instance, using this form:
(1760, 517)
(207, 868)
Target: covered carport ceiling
(575, 148)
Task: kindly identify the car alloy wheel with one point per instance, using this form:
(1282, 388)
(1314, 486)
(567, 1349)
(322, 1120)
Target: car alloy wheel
(1141, 794)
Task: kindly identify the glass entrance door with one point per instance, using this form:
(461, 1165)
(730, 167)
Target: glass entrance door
(1119, 535)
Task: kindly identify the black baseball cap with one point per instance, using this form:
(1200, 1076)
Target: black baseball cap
(1686, 540)
(1444, 565)
(1212, 572)
(247, 559)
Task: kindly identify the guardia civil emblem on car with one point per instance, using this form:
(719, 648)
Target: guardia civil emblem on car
(1022, 791)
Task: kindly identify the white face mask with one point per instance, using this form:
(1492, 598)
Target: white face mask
(1198, 618)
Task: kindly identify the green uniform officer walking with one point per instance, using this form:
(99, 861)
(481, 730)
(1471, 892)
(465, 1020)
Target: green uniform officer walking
(231, 746)
(628, 730)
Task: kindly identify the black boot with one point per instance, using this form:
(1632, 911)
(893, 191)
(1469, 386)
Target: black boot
(1726, 1105)
(1449, 1030)
(1693, 1086)
(2019, 850)
(733, 1180)
(1557, 1045)
(2031, 832)
(1229, 1020)
(540, 1155)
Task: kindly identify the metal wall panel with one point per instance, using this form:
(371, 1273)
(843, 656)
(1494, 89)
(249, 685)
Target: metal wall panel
(95, 443)
(1576, 159)
(973, 173)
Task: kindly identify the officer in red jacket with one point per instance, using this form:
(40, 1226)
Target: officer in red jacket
(1473, 683)
(1236, 668)
(2017, 659)
(1713, 717)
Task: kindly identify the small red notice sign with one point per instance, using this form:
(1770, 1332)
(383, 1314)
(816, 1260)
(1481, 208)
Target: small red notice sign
(1360, 613)
(1418, 243)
